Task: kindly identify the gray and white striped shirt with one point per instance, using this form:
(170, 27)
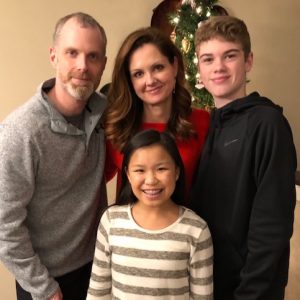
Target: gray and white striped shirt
(135, 263)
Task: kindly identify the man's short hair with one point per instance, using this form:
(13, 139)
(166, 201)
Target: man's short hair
(84, 20)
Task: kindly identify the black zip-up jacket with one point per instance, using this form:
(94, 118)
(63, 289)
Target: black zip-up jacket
(245, 190)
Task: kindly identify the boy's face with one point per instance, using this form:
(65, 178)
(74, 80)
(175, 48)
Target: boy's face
(223, 67)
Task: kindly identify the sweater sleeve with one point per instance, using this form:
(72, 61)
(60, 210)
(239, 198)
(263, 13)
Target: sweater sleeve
(18, 164)
(201, 267)
(101, 282)
(272, 215)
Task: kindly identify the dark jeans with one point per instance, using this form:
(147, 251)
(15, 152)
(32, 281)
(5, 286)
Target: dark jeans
(73, 285)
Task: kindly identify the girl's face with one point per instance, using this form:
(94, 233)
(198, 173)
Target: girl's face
(152, 174)
(152, 75)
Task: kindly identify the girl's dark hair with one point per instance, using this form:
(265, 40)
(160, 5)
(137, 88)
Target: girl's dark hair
(143, 139)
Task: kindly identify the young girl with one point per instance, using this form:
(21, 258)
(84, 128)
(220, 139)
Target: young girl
(148, 245)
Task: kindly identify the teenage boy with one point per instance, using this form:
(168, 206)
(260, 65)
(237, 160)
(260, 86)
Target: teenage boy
(245, 186)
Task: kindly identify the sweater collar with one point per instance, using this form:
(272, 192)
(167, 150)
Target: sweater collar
(92, 113)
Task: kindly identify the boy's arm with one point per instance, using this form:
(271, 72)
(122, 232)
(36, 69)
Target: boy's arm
(272, 215)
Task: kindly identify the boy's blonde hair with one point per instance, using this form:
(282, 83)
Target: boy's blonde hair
(226, 27)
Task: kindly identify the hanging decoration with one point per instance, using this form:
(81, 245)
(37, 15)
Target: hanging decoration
(185, 44)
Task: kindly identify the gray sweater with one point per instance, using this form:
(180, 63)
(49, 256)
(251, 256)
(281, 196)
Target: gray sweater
(51, 191)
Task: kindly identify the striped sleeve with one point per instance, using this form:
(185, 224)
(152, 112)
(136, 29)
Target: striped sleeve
(201, 266)
(100, 281)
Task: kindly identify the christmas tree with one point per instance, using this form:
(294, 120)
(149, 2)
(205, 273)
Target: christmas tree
(186, 20)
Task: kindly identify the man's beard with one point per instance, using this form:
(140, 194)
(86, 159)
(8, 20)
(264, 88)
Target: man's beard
(79, 92)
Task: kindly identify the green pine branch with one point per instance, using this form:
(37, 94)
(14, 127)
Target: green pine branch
(189, 15)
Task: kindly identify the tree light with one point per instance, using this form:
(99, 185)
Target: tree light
(199, 10)
(176, 20)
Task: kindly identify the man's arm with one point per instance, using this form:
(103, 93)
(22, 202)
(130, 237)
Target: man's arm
(18, 165)
(272, 215)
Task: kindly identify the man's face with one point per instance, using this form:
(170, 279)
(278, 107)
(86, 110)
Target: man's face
(79, 60)
(223, 67)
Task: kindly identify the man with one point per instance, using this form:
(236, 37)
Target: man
(51, 170)
(245, 187)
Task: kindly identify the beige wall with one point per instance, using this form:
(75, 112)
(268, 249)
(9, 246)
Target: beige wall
(26, 28)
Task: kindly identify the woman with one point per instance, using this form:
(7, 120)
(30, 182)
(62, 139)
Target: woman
(148, 92)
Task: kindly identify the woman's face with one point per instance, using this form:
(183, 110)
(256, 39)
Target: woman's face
(152, 75)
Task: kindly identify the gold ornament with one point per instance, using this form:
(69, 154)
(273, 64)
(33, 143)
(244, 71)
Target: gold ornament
(186, 45)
